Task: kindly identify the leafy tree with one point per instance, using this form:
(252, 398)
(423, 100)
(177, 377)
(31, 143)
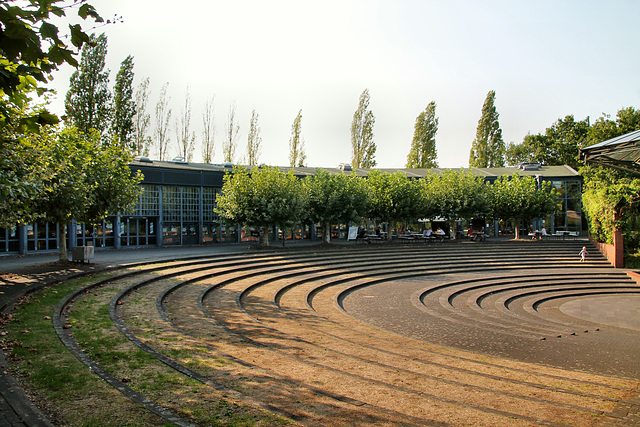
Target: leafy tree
(487, 150)
(363, 148)
(87, 103)
(393, 197)
(459, 194)
(31, 49)
(296, 143)
(141, 120)
(23, 169)
(208, 132)
(124, 106)
(263, 198)
(232, 129)
(185, 137)
(335, 199)
(163, 117)
(522, 199)
(254, 140)
(610, 201)
(627, 120)
(423, 147)
(90, 181)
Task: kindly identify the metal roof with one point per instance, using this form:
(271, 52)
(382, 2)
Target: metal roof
(621, 152)
(544, 171)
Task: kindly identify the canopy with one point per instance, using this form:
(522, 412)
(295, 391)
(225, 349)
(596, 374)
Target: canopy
(621, 152)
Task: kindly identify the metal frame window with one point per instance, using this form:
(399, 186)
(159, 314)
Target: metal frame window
(9, 240)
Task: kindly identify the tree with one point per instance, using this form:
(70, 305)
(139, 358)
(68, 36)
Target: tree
(459, 194)
(208, 131)
(560, 144)
(335, 199)
(124, 106)
(393, 197)
(23, 169)
(32, 49)
(263, 198)
(163, 117)
(90, 181)
(254, 140)
(87, 103)
(423, 147)
(487, 150)
(363, 148)
(296, 143)
(232, 129)
(141, 120)
(185, 137)
(522, 199)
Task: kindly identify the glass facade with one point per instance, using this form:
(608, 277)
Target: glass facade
(569, 217)
(9, 240)
(178, 209)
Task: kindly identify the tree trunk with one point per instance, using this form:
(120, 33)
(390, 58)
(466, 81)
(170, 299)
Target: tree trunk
(62, 243)
(517, 229)
(265, 237)
(327, 232)
(389, 233)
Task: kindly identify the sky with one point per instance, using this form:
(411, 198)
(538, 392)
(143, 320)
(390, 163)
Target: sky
(545, 59)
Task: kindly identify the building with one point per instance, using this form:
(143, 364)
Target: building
(176, 207)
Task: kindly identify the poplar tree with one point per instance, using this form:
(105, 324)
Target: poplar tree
(254, 140)
(363, 148)
(87, 103)
(232, 129)
(297, 155)
(185, 137)
(163, 117)
(423, 147)
(141, 120)
(488, 149)
(208, 131)
(124, 106)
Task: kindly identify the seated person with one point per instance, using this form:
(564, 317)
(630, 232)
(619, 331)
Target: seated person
(470, 233)
(362, 233)
(440, 231)
(543, 232)
(427, 232)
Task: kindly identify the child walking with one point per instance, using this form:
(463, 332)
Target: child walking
(583, 254)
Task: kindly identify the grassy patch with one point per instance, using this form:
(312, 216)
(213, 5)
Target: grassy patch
(80, 398)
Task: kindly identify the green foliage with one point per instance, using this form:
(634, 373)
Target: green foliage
(610, 200)
(23, 170)
(124, 106)
(296, 143)
(394, 197)
(521, 198)
(363, 148)
(87, 103)
(31, 47)
(88, 181)
(458, 194)
(488, 149)
(423, 147)
(163, 117)
(335, 199)
(262, 198)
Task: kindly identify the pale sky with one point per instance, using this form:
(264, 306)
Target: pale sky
(544, 58)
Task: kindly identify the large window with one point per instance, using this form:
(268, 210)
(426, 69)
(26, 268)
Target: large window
(9, 241)
(570, 216)
(42, 236)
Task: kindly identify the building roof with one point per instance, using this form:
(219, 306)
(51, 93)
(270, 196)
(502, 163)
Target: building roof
(621, 152)
(531, 169)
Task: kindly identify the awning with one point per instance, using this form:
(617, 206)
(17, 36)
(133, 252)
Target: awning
(621, 152)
